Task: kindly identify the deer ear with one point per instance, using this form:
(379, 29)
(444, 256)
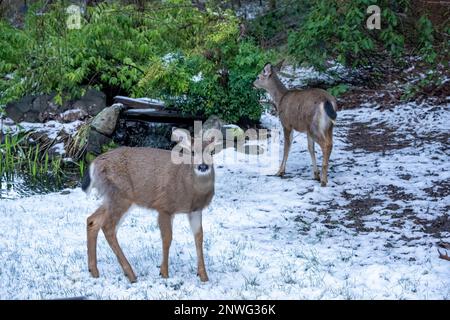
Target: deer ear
(268, 70)
(279, 65)
(182, 137)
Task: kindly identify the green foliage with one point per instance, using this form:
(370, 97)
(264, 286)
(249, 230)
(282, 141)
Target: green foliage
(338, 89)
(220, 86)
(426, 39)
(120, 50)
(18, 156)
(336, 28)
(110, 146)
(270, 28)
(426, 47)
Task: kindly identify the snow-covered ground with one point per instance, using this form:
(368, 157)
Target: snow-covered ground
(371, 234)
(52, 128)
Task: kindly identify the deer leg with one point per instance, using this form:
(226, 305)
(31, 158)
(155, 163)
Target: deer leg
(94, 223)
(165, 227)
(326, 150)
(316, 174)
(110, 230)
(195, 220)
(287, 145)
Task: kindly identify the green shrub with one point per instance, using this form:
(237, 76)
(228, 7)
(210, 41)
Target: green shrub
(121, 51)
(270, 29)
(337, 29)
(426, 39)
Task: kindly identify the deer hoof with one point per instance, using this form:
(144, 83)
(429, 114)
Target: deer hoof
(164, 275)
(131, 276)
(323, 184)
(94, 272)
(280, 173)
(316, 176)
(203, 277)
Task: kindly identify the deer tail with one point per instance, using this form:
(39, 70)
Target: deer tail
(329, 110)
(87, 181)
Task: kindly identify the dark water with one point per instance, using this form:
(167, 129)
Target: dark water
(21, 185)
(128, 133)
(145, 134)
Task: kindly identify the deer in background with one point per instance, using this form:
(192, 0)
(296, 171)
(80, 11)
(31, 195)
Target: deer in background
(148, 178)
(311, 110)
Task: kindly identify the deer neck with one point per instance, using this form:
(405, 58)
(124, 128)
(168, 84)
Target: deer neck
(204, 183)
(277, 91)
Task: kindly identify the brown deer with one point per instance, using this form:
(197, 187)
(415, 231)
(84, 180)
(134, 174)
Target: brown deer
(148, 178)
(311, 110)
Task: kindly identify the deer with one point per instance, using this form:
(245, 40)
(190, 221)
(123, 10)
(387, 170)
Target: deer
(148, 178)
(310, 110)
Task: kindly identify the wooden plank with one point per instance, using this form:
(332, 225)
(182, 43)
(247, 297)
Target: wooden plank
(131, 103)
(164, 116)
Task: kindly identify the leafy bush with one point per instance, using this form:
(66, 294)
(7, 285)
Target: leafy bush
(426, 39)
(122, 50)
(336, 28)
(270, 29)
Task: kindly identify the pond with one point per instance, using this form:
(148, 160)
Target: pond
(23, 185)
(17, 180)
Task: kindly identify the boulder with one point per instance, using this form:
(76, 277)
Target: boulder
(95, 142)
(43, 108)
(41, 103)
(106, 121)
(92, 102)
(31, 116)
(73, 115)
(16, 110)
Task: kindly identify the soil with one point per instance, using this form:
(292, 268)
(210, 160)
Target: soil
(379, 138)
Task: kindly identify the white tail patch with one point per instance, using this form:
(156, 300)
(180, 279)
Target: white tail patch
(324, 119)
(91, 176)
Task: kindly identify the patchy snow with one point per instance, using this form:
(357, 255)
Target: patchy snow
(197, 78)
(170, 57)
(71, 111)
(50, 128)
(365, 236)
(297, 77)
(58, 148)
(150, 100)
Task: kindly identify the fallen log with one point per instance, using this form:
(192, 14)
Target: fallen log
(152, 110)
(165, 116)
(139, 103)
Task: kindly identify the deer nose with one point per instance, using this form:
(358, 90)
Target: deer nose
(203, 167)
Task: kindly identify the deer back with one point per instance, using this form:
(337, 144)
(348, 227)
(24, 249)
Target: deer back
(148, 178)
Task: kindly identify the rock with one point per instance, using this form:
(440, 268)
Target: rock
(106, 121)
(31, 116)
(92, 102)
(95, 142)
(73, 115)
(16, 110)
(41, 103)
(43, 108)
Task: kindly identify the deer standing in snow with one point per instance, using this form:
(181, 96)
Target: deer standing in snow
(311, 110)
(148, 178)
